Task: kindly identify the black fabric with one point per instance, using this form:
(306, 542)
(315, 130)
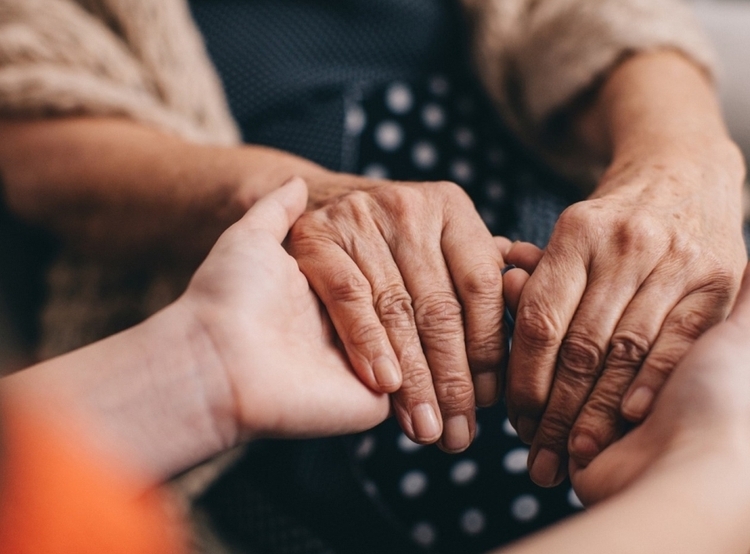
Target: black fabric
(288, 65)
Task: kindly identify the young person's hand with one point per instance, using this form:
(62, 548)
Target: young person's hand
(265, 332)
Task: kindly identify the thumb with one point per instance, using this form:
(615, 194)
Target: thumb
(277, 211)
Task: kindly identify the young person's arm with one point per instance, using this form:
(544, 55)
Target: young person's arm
(245, 352)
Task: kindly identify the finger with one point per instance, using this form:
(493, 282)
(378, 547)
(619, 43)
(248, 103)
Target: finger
(503, 245)
(524, 255)
(741, 310)
(600, 421)
(689, 319)
(347, 295)
(277, 211)
(546, 307)
(579, 364)
(438, 318)
(476, 271)
(513, 284)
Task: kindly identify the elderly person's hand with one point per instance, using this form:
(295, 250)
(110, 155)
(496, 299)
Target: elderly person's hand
(411, 278)
(631, 277)
(704, 409)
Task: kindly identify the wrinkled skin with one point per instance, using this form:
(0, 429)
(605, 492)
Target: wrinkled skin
(411, 278)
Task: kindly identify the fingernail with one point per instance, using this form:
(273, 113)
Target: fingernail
(545, 467)
(485, 388)
(584, 447)
(637, 404)
(425, 423)
(456, 436)
(526, 429)
(386, 373)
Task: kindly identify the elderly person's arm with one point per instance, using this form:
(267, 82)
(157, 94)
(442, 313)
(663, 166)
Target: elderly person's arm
(634, 274)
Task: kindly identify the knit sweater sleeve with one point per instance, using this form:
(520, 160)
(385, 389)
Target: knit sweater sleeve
(64, 57)
(535, 57)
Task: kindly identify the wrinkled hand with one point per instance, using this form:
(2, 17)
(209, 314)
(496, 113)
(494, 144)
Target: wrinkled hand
(412, 281)
(270, 336)
(630, 278)
(704, 406)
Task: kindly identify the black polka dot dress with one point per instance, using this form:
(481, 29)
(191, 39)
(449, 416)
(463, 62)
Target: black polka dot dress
(430, 130)
(382, 89)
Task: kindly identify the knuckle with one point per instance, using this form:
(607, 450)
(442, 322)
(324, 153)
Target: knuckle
(455, 393)
(347, 286)
(628, 348)
(554, 429)
(438, 313)
(394, 306)
(417, 382)
(484, 282)
(536, 327)
(485, 351)
(661, 363)
(605, 401)
(579, 358)
(364, 335)
(689, 324)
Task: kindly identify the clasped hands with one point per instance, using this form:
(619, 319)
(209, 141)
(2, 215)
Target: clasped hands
(413, 293)
(411, 279)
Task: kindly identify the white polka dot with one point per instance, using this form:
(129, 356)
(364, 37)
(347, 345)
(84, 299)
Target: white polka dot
(515, 460)
(508, 428)
(462, 171)
(370, 488)
(355, 120)
(496, 156)
(495, 191)
(473, 521)
(573, 500)
(488, 216)
(424, 155)
(405, 444)
(477, 430)
(413, 484)
(389, 135)
(423, 534)
(375, 171)
(464, 472)
(365, 448)
(398, 98)
(439, 85)
(525, 508)
(433, 116)
(464, 137)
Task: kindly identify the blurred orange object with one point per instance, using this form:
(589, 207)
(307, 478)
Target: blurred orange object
(54, 499)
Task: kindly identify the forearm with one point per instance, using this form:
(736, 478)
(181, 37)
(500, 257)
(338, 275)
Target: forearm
(118, 188)
(660, 106)
(696, 506)
(146, 399)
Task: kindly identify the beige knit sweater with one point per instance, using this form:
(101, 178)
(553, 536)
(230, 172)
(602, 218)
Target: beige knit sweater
(145, 60)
